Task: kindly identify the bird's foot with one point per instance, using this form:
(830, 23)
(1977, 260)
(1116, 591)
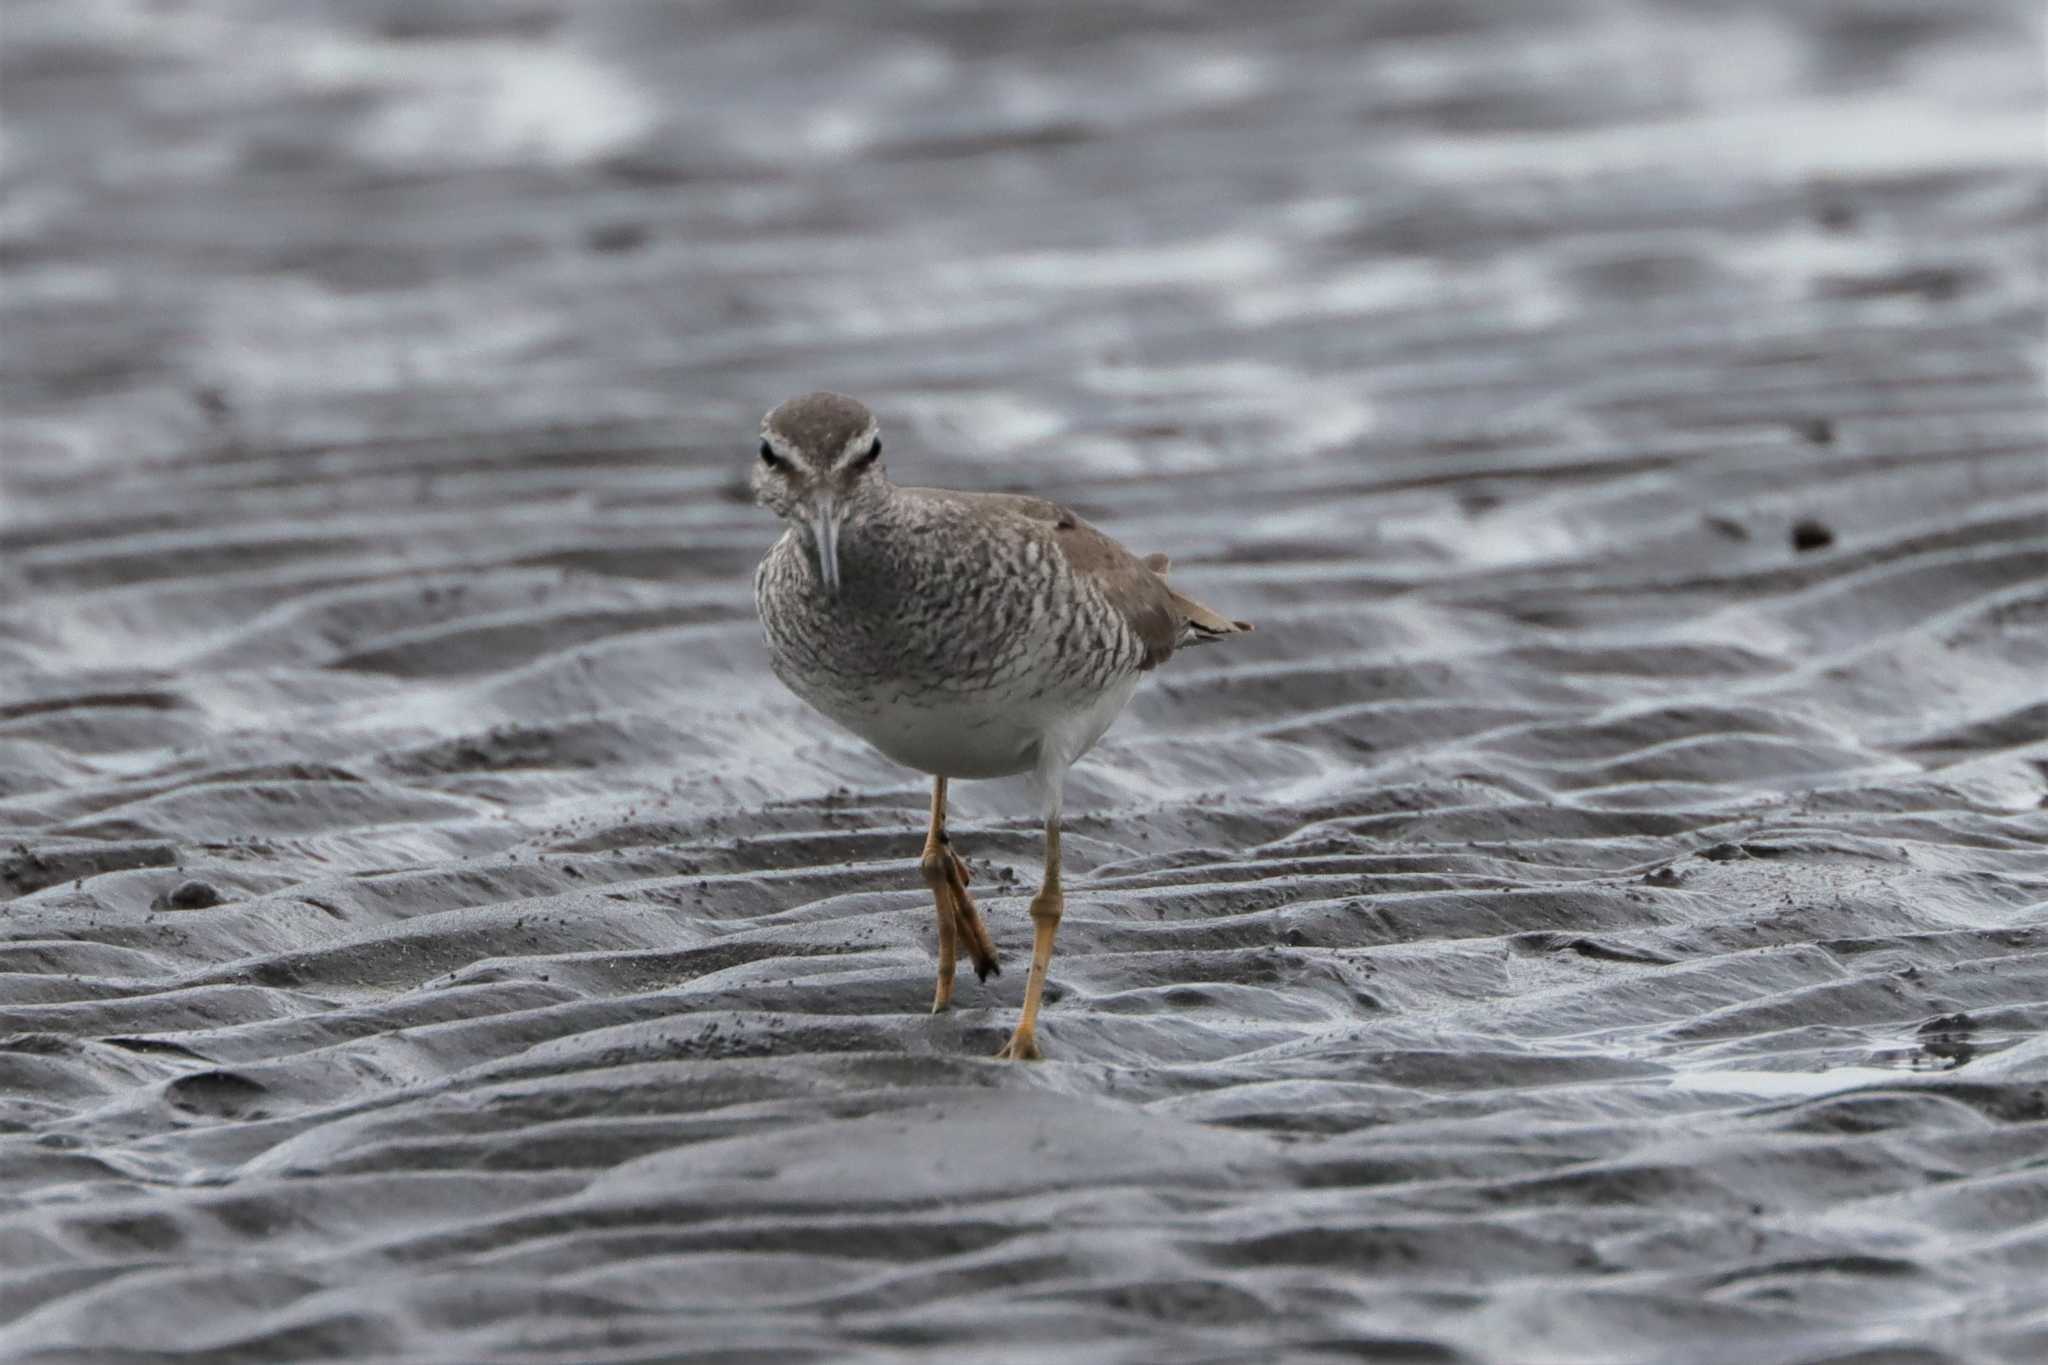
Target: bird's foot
(973, 933)
(980, 951)
(1022, 1047)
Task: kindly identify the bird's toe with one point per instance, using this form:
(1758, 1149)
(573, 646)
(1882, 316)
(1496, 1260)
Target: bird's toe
(1022, 1047)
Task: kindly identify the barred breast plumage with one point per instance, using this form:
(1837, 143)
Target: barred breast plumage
(964, 638)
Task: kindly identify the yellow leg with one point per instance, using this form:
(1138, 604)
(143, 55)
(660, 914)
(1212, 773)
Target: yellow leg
(959, 922)
(1045, 922)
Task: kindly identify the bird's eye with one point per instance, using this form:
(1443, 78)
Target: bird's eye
(870, 455)
(770, 458)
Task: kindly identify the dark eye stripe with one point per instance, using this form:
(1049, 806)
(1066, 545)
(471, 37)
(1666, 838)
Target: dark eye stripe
(770, 458)
(868, 456)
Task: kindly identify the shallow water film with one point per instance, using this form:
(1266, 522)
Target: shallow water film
(1600, 915)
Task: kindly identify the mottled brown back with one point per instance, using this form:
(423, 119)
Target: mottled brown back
(1159, 617)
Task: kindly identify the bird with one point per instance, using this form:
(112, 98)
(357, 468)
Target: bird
(964, 635)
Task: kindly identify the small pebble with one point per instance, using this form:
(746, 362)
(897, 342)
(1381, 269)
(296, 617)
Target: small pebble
(192, 895)
(1811, 535)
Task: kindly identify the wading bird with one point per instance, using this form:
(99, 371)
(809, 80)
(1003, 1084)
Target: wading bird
(962, 634)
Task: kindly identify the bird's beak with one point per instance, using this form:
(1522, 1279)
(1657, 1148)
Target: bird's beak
(825, 535)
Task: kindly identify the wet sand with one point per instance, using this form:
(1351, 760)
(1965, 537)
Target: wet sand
(1601, 915)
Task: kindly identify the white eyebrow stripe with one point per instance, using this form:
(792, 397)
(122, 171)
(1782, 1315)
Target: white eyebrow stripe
(857, 444)
(775, 442)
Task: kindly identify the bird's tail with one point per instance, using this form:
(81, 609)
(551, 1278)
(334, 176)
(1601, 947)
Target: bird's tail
(1200, 624)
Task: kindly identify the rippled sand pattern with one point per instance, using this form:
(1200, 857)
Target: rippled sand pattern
(1601, 915)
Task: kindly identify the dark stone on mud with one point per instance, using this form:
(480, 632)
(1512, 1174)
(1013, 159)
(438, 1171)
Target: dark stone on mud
(1811, 535)
(190, 895)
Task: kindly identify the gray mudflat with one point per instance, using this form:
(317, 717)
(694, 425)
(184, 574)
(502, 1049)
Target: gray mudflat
(1602, 914)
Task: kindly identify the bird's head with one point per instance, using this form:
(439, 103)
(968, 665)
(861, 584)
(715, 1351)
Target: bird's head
(820, 461)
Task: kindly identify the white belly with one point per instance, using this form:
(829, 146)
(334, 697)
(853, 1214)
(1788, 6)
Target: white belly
(984, 735)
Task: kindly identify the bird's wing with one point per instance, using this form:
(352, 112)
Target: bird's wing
(1160, 618)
